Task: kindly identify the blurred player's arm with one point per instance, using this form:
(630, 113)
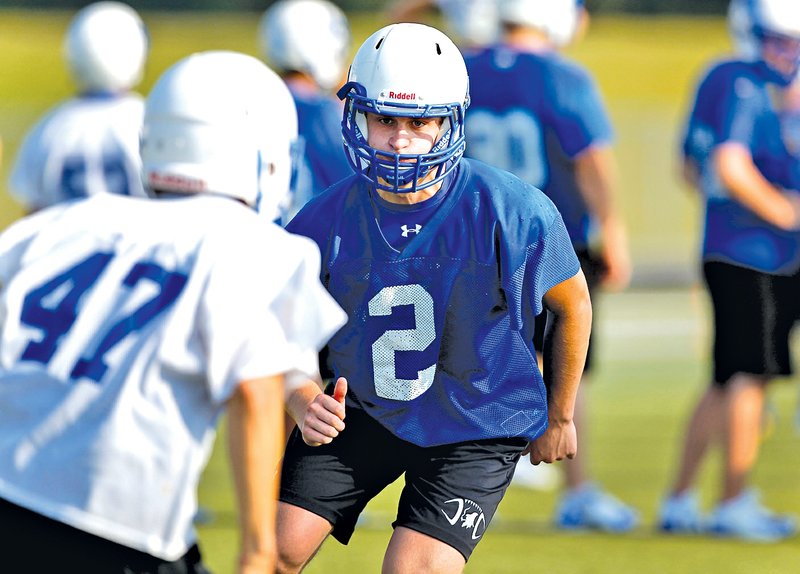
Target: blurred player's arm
(739, 174)
(596, 173)
(319, 417)
(255, 444)
(565, 347)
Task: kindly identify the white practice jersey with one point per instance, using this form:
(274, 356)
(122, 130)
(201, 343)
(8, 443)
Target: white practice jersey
(126, 325)
(84, 146)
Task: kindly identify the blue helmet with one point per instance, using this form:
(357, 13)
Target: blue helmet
(408, 70)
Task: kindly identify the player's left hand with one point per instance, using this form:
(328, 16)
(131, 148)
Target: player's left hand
(558, 442)
(616, 257)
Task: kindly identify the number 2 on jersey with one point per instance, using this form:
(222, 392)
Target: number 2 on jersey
(387, 384)
(53, 308)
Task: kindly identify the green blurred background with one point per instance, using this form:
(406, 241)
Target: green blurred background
(645, 65)
(652, 338)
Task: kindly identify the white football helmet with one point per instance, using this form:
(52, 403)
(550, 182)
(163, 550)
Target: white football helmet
(310, 36)
(776, 23)
(475, 22)
(558, 19)
(106, 47)
(408, 70)
(221, 122)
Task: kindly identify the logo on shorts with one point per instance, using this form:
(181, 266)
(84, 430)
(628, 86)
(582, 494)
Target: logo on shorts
(465, 514)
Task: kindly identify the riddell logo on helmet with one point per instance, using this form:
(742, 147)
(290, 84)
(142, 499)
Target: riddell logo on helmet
(402, 95)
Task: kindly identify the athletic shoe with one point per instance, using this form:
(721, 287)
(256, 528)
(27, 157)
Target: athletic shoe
(681, 514)
(744, 517)
(589, 507)
(544, 477)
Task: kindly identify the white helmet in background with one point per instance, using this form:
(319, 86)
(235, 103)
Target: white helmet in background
(106, 47)
(776, 22)
(224, 123)
(475, 22)
(310, 36)
(405, 70)
(558, 19)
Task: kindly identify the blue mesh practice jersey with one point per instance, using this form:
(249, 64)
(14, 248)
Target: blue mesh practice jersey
(733, 104)
(532, 114)
(319, 121)
(438, 347)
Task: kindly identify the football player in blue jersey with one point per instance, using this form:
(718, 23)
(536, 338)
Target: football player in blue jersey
(128, 326)
(548, 125)
(90, 143)
(734, 154)
(308, 41)
(442, 265)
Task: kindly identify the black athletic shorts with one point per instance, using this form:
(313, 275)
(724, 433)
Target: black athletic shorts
(451, 492)
(35, 543)
(594, 269)
(753, 317)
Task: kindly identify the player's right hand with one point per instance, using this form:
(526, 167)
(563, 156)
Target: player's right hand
(324, 418)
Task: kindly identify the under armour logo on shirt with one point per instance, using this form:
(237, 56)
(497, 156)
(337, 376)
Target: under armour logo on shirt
(406, 229)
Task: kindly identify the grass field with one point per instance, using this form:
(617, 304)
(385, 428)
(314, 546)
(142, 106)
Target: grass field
(652, 342)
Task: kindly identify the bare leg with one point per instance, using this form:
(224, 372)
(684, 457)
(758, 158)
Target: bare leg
(705, 427)
(300, 534)
(411, 552)
(744, 408)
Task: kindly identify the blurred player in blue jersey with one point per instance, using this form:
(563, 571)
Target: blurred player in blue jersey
(308, 42)
(90, 143)
(734, 154)
(472, 23)
(548, 125)
(442, 265)
(128, 326)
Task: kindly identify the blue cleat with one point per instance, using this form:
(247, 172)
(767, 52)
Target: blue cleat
(744, 517)
(589, 507)
(681, 514)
